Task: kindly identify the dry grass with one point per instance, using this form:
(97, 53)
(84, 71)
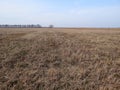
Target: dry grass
(58, 60)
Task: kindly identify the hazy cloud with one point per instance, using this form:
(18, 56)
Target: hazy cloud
(69, 13)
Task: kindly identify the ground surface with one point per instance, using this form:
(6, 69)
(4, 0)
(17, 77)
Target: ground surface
(59, 59)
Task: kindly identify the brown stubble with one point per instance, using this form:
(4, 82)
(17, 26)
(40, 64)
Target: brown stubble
(60, 59)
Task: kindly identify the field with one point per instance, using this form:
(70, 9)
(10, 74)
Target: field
(59, 59)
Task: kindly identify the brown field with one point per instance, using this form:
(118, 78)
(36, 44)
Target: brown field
(59, 59)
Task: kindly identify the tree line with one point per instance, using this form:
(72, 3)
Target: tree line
(23, 26)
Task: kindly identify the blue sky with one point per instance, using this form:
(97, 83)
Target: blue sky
(61, 13)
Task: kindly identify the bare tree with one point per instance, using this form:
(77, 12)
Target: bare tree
(51, 26)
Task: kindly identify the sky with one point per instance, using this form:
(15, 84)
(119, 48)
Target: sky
(61, 13)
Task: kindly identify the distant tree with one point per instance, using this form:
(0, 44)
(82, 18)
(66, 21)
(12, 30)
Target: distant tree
(38, 26)
(6, 26)
(22, 26)
(51, 26)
